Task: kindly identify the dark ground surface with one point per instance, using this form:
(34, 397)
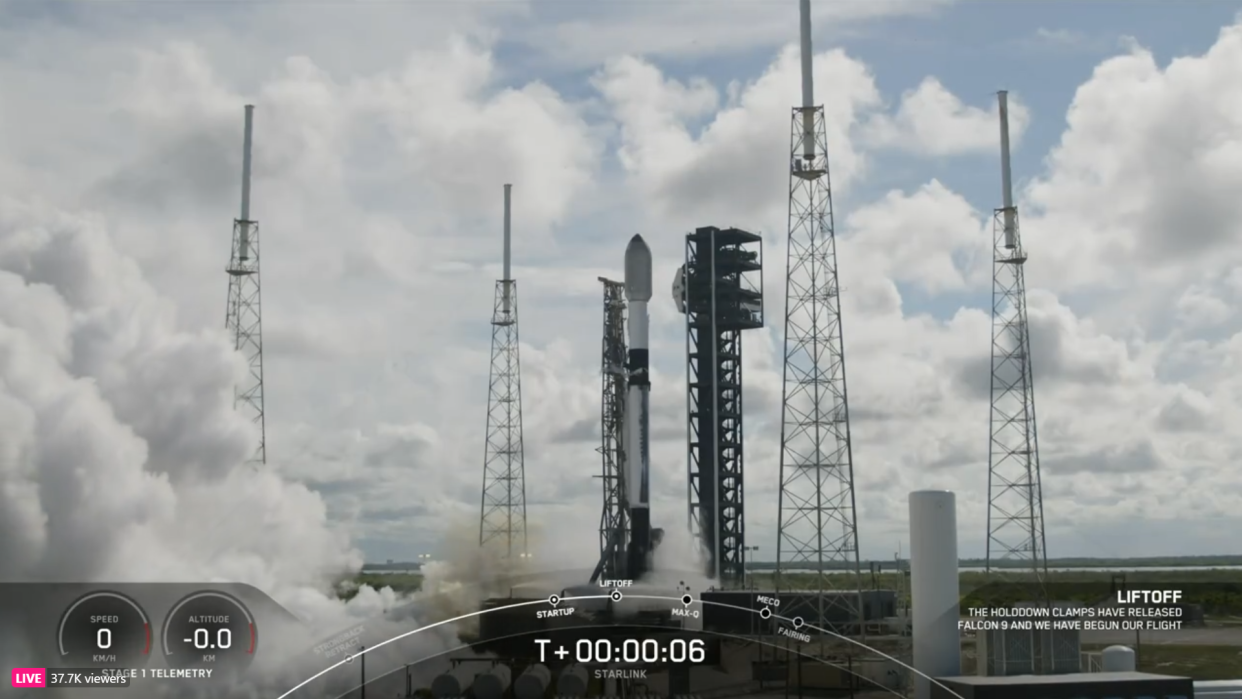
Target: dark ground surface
(1207, 636)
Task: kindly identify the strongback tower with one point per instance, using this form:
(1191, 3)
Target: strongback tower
(1015, 499)
(720, 290)
(613, 522)
(818, 531)
(243, 315)
(502, 517)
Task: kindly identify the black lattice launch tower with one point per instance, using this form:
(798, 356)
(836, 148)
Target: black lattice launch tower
(818, 530)
(614, 521)
(502, 518)
(720, 290)
(1015, 499)
(243, 316)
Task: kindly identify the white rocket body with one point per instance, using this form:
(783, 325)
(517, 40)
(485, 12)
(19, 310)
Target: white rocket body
(637, 413)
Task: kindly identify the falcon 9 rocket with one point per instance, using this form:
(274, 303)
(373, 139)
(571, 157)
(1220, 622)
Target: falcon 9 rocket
(637, 415)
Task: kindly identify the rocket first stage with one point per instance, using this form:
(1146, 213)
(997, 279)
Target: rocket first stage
(637, 416)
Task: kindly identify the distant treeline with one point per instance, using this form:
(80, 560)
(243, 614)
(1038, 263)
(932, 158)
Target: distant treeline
(399, 566)
(1113, 563)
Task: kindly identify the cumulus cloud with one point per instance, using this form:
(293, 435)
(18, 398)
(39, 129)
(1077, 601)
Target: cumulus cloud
(674, 30)
(930, 120)
(732, 166)
(1144, 173)
(124, 454)
(932, 239)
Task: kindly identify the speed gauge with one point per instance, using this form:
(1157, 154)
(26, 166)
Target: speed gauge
(104, 629)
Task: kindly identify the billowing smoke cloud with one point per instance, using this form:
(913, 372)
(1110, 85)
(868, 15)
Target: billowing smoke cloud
(122, 460)
(121, 457)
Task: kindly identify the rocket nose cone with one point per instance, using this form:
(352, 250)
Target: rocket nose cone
(638, 270)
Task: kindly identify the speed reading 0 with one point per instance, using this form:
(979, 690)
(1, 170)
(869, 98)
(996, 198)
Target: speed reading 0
(630, 650)
(104, 629)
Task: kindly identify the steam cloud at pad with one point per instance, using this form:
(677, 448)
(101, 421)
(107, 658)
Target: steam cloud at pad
(121, 456)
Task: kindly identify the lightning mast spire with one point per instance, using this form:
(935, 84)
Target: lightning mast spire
(243, 315)
(502, 517)
(818, 528)
(1015, 497)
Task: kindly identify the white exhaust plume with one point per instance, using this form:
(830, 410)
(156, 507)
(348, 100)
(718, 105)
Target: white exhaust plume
(680, 559)
(121, 457)
(678, 570)
(455, 583)
(122, 454)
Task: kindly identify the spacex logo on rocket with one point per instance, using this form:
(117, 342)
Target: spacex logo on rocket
(637, 417)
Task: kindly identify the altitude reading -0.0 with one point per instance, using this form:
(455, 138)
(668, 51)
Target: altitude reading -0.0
(104, 629)
(209, 629)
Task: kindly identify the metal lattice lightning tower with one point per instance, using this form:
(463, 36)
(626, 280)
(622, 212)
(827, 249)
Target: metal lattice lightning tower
(614, 520)
(502, 517)
(243, 316)
(1015, 498)
(818, 522)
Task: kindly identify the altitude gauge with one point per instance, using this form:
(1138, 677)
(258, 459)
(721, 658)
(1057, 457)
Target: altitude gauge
(210, 630)
(104, 629)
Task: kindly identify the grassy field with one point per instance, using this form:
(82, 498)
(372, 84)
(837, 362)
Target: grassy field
(1100, 563)
(1197, 662)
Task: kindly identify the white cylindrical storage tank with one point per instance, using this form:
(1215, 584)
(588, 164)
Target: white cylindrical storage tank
(454, 683)
(934, 591)
(572, 681)
(1218, 689)
(1118, 659)
(493, 683)
(533, 683)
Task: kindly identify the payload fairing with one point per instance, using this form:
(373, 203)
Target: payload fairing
(637, 414)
